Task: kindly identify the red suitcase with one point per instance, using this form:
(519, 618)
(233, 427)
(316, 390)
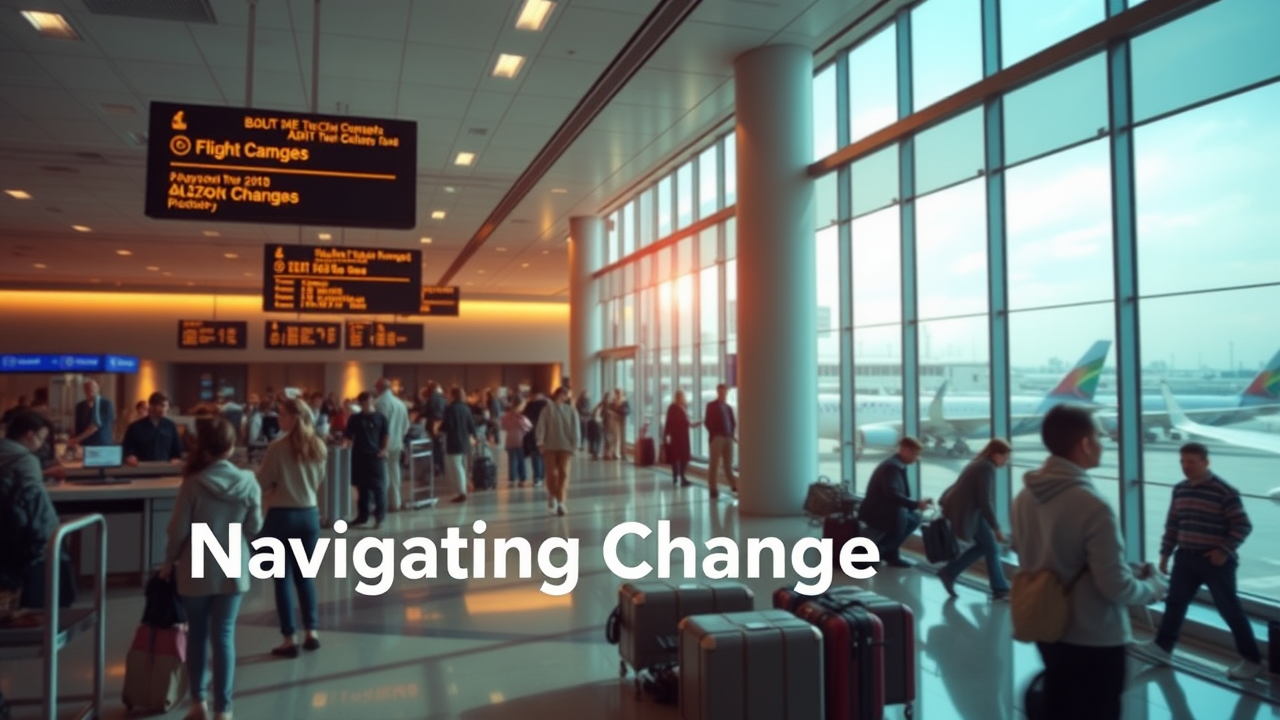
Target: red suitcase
(853, 658)
(899, 636)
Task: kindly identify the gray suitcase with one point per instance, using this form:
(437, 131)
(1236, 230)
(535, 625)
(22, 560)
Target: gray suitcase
(652, 610)
(335, 493)
(750, 666)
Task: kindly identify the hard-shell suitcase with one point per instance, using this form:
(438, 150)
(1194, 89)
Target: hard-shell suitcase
(750, 666)
(651, 611)
(853, 657)
(155, 669)
(899, 635)
(335, 493)
(484, 473)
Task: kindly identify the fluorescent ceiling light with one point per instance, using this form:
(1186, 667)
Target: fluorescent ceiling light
(230, 256)
(81, 228)
(508, 66)
(18, 194)
(153, 268)
(166, 273)
(464, 158)
(450, 189)
(39, 266)
(533, 15)
(559, 191)
(326, 236)
(50, 25)
(212, 233)
(248, 274)
(437, 214)
(426, 241)
(126, 253)
(524, 265)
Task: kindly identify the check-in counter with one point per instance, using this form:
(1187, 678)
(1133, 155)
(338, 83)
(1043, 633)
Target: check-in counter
(76, 471)
(137, 514)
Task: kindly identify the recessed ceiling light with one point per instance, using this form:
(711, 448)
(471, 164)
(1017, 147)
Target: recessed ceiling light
(450, 189)
(437, 214)
(524, 265)
(153, 268)
(126, 253)
(248, 274)
(464, 158)
(50, 25)
(546, 252)
(533, 14)
(479, 272)
(18, 194)
(39, 266)
(81, 228)
(212, 233)
(559, 191)
(508, 66)
(166, 273)
(190, 284)
(230, 256)
(425, 241)
(500, 249)
(326, 236)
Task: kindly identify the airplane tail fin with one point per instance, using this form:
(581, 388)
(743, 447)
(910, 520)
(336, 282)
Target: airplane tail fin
(1265, 387)
(1081, 383)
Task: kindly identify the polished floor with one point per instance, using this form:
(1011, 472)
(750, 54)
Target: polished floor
(482, 649)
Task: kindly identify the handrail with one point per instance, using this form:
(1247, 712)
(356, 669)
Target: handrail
(53, 621)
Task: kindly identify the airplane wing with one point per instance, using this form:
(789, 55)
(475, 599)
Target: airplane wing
(1241, 438)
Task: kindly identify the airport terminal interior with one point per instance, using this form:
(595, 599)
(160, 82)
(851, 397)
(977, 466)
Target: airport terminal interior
(859, 220)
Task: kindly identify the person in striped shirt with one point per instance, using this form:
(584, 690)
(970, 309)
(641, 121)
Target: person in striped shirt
(1205, 528)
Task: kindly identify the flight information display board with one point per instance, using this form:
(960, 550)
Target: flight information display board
(383, 336)
(267, 166)
(303, 335)
(212, 334)
(42, 363)
(340, 280)
(441, 301)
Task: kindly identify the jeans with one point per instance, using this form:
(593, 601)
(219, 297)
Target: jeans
(721, 456)
(515, 465)
(907, 522)
(455, 471)
(375, 493)
(212, 618)
(984, 546)
(539, 466)
(1082, 682)
(1191, 569)
(302, 524)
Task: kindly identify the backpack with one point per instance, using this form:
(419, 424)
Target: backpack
(1041, 605)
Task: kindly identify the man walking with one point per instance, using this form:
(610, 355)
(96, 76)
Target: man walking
(1203, 533)
(366, 435)
(723, 428)
(397, 415)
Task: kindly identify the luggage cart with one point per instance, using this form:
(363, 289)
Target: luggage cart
(422, 463)
(60, 626)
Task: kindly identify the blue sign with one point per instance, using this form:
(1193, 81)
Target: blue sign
(68, 363)
(80, 363)
(121, 364)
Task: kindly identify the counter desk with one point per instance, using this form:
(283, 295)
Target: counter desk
(137, 514)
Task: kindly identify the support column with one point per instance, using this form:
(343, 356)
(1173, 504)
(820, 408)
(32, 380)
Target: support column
(351, 378)
(777, 324)
(586, 249)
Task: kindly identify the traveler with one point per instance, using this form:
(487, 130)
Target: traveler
(1203, 532)
(27, 517)
(616, 410)
(1062, 524)
(888, 507)
(557, 432)
(459, 431)
(495, 414)
(515, 426)
(367, 436)
(583, 406)
(533, 408)
(155, 437)
(397, 415)
(218, 494)
(722, 426)
(291, 473)
(94, 418)
(675, 438)
(969, 505)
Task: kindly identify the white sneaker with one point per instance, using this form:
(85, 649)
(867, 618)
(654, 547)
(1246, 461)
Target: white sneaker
(1153, 653)
(198, 711)
(1245, 670)
(551, 506)
(560, 509)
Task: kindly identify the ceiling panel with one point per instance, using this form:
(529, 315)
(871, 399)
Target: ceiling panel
(160, 81)
(444, 66)
(166, 42)
(273, 50)
(390, 21)
(74, 132)
(708, 48)
(487, 108)
(669, 89)
(43, 102)
(372, 98)
(588, 34)
(752, 14)
(432, 102)
(280, 91)
(554, 77)
(18, 68)
(474, 24)
(538, 110)
(359, 58)
(817, 22)
(80, 73)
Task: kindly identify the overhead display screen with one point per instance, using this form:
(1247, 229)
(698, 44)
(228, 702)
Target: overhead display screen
(383, 336)
(212, 334)
(303, 335)
(50, 363)
(321, 279)
(440, 301)
(267, 166)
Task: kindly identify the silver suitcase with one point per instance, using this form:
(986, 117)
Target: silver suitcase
(652, 610)
(750, 666)
(335, 493)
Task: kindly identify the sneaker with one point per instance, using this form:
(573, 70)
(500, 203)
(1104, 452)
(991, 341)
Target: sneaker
(285, 651)
(198, 711)
(949, 583)
(1245, 670)
(1152, 653)
(560, 510)
(312, 643)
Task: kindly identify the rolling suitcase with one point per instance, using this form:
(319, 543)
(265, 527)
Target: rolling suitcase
(750, 666)
(484, 472)
(940, 543)
(335, 493)
(155, 668)
(853, 658)
(650, 612)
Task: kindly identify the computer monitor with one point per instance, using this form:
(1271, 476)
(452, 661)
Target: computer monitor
(103, 456)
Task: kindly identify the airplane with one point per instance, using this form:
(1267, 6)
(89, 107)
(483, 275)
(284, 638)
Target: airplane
(1251, 439)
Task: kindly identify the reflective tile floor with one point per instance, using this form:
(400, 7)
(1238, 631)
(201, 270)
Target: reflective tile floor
(482, 649)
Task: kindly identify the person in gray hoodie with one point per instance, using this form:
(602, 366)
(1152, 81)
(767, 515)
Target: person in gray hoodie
(1063, 524)
(558, 434)
(218, 494)
(969, 505)
(27, 517)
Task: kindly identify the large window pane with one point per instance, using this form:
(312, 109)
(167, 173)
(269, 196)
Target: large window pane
(708, 182)
(824, 112)
(644, 223)
(627, 223)
(1063, 108)
(611, 239)
(877, 411)
(828, 281)
(954, 353)
(730, 169)
(875, 181)
(684, 195)
(664, 207)
(828, 405)
(946, 48)
(877, 269)
(951, 251)
(826, 200)
(950, 152)
(685, 307)
(1059, 228)
(873, 84)
(731, 304)
(1222, 47)
(709, 303)
(1029, 26)
(709, 247)
(1206, 188)
(628, 320)
(1048, 348)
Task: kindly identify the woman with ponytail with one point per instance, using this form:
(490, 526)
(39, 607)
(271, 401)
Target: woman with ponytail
(218, 494)
(290, 476)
